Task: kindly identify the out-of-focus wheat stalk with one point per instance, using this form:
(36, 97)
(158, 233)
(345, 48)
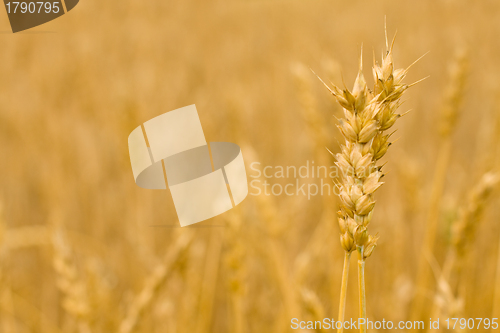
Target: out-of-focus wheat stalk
(31, 316)
(154, 282)
(272, 229)
(7, 318)
(309, 107)
(22, 237)
(368, 114)
(210, 273)
(317, 129)
(464, 230)
(236, 266)
(25, 316)
(450, 298)
(70, 282)
(313, 305)
(449, 116)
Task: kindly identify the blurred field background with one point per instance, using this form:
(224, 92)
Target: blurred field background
(83, 249)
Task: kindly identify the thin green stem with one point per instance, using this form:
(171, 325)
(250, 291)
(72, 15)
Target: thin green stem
(343, 290)
(362, 293)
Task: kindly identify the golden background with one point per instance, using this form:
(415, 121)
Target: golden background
(83, 249)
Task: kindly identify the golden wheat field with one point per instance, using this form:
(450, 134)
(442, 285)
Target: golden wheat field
(84, 249)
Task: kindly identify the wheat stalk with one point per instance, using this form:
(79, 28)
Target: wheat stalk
(309, 109)
(449, 116)
(153, 283)
(210, 272)
(236, 267)
(464, 230)
(272, 228)
(69, 282)
(313, 305)
(25, 314)
(450, 298)
(318, 243)
(368, 115)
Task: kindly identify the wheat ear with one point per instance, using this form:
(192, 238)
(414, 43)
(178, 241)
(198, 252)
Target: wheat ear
(450, 284)
(464, 229)
(368, 115)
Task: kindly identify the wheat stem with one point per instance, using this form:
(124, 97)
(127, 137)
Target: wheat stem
(449, 114)
(153, 283)
(209, 282)
(235, 265)
(343, 289)
(423, 271)
(362, 292)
